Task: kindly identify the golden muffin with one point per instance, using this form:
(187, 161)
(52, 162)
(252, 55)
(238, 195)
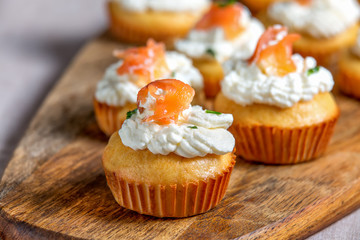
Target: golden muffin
(225, 30)
(165, 186)
(116, 92)
(327, 26)
(165, 161)
(134, 22)
(283, 111)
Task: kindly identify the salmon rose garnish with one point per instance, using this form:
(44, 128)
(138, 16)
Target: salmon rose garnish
(147, 63)
(273, 53)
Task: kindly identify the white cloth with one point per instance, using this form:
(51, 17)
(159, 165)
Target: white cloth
(37, 42)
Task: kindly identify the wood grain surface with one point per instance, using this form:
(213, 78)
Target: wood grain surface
(54, 186)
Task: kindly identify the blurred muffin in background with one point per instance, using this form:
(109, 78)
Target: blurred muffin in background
(226, 29)
(162, 20)
(326, 26)
(349, 71)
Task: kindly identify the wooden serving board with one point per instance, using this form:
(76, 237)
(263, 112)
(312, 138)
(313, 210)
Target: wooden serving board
(54, 186)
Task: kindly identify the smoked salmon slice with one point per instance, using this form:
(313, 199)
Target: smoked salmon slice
(274, 51)
(227, 17)
(148, 62)
(168, 98)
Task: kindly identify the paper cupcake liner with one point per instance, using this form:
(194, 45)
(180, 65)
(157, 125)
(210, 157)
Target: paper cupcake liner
(348, 80)
(139, 34)
(175, 200)
(275, 145)
(110, 118)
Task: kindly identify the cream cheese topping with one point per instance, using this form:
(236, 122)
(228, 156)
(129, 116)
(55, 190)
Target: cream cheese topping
(197, 134)
(163, 5)
(198, 42)
(356, 48)
(321, 19)
(247, 84)
(117, 90)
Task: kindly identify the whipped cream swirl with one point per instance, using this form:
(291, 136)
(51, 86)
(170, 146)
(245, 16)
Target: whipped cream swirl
(163, 5)
(197, 134)
(198, 42)
(247, 84)
(320, 19)
(117, 90)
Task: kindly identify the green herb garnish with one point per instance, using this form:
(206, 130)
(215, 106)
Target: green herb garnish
(130, 113)
(192, 127)
(213, 112)
(226, 3)
(313, 70)
(211, 52)
(172, 74)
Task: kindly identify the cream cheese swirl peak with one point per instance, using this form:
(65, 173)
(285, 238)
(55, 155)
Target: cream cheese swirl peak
(163, 5)
(319, 18)
(273, 75)
(199, 134)
(247, 84)
(213, 42)
(165, 122)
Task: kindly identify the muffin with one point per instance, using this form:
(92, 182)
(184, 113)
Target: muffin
(226, 29)
(116, 93)
(170, 159)
(162, 20)
(326, 26)
(283, 111)
(349, 71)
